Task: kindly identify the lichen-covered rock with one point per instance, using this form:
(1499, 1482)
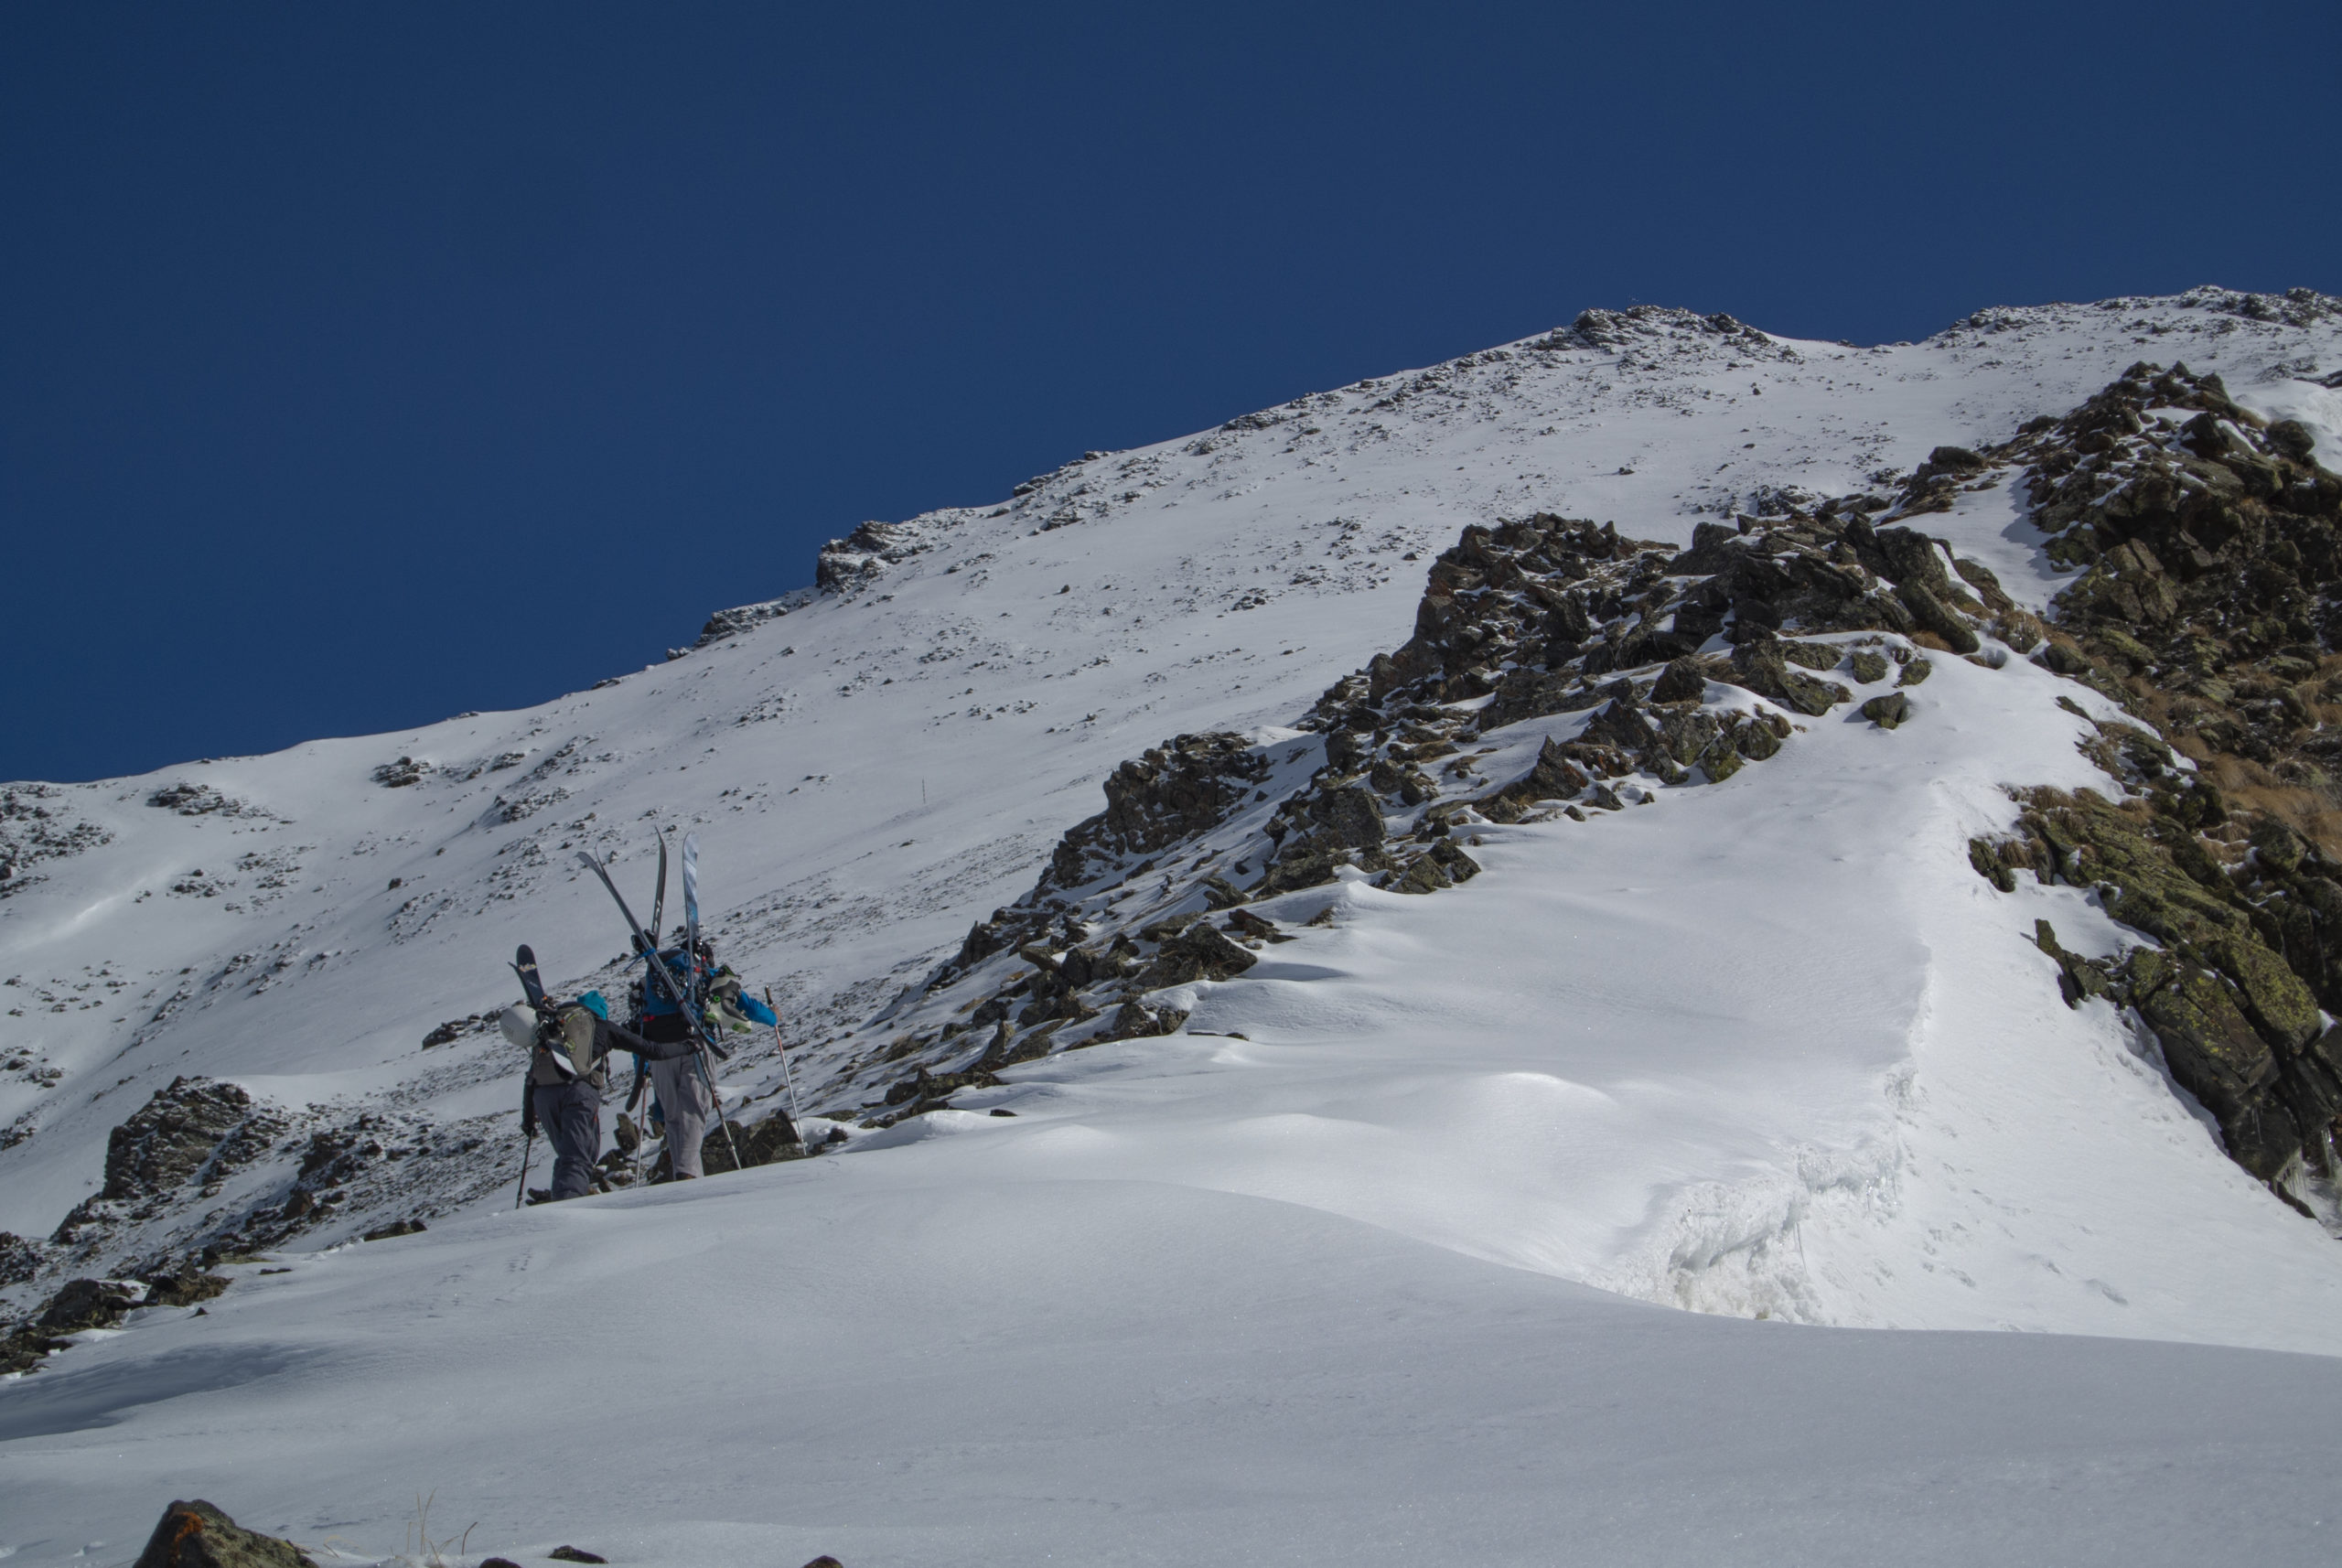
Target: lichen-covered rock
(2216, 1056)
(1761, 668)
(1758, 740)
(198, 1535)
(1887, 710)
(2274, 996)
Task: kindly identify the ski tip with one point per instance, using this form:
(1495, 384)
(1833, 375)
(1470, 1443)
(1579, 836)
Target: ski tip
(524, 956)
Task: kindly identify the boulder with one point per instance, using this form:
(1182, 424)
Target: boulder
(1869, 668)
(191, 1284)
(1912, 557)
(1818, 656)
(2278, 845)
(90, 1304)
(1202, 951)
(196, 1534)
(1933, 615)
(2293, 439)
(1756, 741)
(1684, 680)
(1887, 710)
(1759, 667)
(1349, 816)
(766, 1141)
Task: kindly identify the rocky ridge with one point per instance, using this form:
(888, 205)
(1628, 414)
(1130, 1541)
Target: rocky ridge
(1639, 667)
(2209, 547)
(2207, 540)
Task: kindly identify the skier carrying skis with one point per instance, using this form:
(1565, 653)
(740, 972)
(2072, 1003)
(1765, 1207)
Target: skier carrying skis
(686, 1097)
(569, 1044)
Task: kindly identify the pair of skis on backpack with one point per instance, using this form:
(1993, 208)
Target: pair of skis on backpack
(680, 991)
(676, 989)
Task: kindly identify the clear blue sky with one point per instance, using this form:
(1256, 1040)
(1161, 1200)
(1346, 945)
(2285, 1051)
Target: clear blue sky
(361, 364)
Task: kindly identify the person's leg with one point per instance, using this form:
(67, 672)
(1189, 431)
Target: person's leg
(571, 1114)
(683, 1096)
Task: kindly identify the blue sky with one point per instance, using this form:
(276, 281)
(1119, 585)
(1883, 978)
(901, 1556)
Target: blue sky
(364, 364)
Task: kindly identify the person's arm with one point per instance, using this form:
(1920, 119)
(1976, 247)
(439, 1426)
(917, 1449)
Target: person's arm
(609, 1037)
(757, 1011)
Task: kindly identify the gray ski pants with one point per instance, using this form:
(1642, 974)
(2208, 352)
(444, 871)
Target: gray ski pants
(571, 1114)
(684, 1100)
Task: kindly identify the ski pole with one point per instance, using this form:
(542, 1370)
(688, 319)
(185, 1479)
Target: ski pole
(707, 1069)
(796, 1114)
(528, 1148)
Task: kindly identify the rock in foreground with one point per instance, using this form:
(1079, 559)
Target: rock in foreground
(198, 1535)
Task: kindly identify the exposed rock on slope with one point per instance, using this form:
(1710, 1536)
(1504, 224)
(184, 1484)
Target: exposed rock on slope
(2211, 545)
(194, 1130)
(1649, 668)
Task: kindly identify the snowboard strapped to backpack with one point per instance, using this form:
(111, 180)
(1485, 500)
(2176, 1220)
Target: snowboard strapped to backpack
(564, 1051)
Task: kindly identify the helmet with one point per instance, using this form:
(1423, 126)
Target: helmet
(519, 1023)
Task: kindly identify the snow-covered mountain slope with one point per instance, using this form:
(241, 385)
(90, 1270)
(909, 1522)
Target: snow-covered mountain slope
(1765, 1046)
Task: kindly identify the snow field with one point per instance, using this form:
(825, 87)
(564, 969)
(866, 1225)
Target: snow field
(896, 1362)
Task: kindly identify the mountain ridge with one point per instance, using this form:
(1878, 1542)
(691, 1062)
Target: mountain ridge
(1316, 555)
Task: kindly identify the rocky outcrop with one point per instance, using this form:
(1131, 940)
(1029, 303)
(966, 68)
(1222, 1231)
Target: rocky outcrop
(2222, 984)
(83, 1304)
(725, 625)
(195, 1131)
(1535, 618)
(2210, 553)
(1173, 792)
(38, 823)
(173, 1136)
(846, 565)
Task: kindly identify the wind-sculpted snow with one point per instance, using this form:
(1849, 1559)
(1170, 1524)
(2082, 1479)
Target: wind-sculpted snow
(1540, 792)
